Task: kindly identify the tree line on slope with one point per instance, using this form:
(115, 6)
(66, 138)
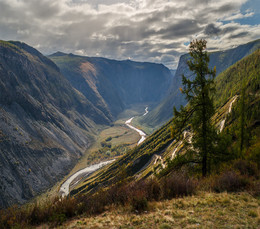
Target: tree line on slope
(208, 147)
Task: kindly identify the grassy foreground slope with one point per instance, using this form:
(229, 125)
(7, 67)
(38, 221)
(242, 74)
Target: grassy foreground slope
(205, 210)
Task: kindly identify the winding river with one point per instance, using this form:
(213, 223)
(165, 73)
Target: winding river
(65, 187)
(76, 177)
(141, 133)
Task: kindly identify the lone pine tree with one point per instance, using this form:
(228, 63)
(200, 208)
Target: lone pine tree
(199, 94)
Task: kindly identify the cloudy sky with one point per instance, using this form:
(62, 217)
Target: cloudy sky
(142, 30)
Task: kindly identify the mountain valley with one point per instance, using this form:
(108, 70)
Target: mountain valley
(63, 113)
(48, 120)
(153, 156)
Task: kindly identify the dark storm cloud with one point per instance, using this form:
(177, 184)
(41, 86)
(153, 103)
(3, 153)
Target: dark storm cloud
(145, 30)
(182, 28)
(233, 31)
(211, 29)
(229, 29)
(239, 35)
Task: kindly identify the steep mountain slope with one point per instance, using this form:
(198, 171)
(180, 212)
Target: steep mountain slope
(114, 85)
(222, 60)
(153, 154)
(173, 71)
(45, 124)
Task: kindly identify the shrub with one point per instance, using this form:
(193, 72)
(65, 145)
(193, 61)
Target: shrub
(246, 167)
(57, 219)
(255, 188)
(119, 194)
(154, 190)
(230, 181)
(93, 204)
(108, 139)
(106, 144)
(254, 153)
(252, 214)
(36, 214)
(165, 226)
(55, 211)
(137, 194)
(178, 185)
(8, 218)
(139, 201)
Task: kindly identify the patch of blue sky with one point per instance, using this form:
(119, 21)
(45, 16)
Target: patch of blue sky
(250, 6)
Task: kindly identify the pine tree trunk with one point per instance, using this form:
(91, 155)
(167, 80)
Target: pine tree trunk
(204, 147)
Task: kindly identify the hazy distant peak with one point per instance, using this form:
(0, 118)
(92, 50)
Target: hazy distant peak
(58, 54)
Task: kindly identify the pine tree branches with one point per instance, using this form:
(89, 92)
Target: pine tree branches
(197, 114)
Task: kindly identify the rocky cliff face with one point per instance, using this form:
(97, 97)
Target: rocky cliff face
(45, 124)
(113, 85)
(222, 60)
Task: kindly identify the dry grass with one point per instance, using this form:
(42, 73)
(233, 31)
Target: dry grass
(120, 135)
(205, 210)
(128, 194)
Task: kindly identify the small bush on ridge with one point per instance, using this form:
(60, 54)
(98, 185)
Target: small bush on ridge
(178, 185)
(230, 181)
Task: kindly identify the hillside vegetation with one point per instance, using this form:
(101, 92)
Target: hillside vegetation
(160, 147)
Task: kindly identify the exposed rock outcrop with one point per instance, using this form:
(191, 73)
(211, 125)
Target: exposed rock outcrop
(45, 124)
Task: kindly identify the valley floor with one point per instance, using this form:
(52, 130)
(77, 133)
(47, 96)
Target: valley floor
(120, 134)
(204, 210)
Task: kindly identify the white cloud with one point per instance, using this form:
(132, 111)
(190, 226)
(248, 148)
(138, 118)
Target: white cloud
(238, 15)
(145, 30)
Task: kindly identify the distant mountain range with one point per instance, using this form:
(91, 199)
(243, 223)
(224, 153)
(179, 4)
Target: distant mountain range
(112, 85)
(222, 60)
